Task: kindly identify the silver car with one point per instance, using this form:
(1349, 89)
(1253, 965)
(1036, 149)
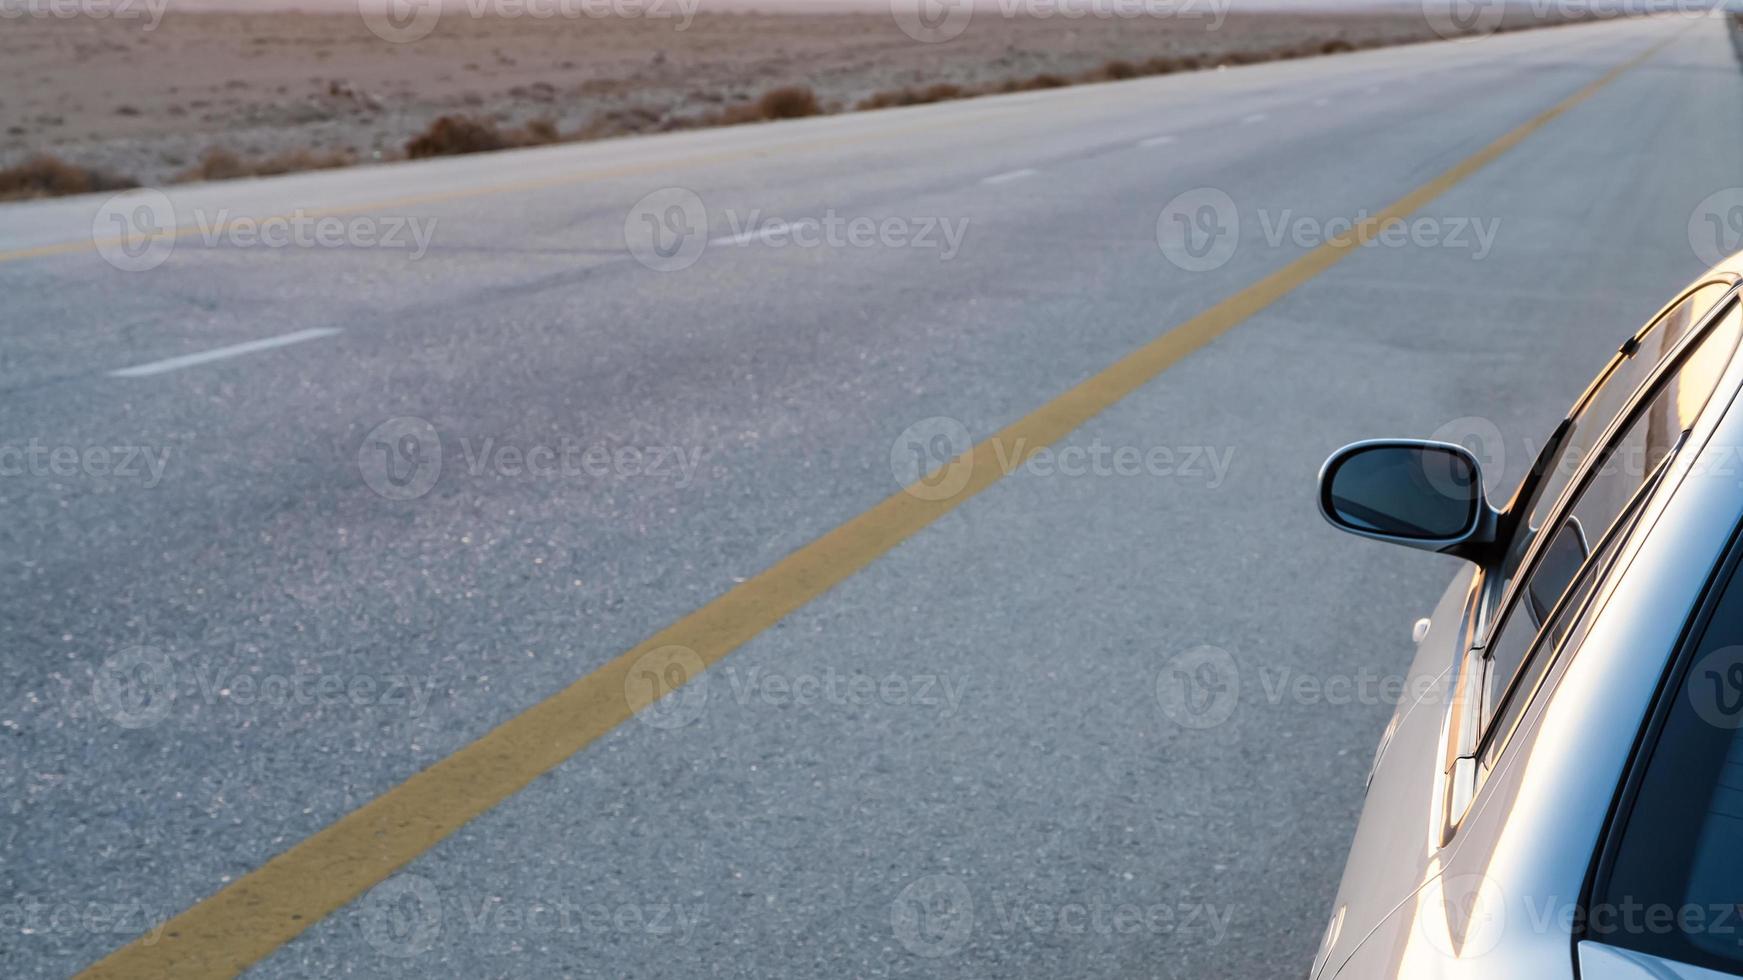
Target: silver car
(1561, 794)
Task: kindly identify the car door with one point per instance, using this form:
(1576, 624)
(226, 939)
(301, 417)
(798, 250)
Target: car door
(1605, 456)
(1425, 771)
(1667, 894)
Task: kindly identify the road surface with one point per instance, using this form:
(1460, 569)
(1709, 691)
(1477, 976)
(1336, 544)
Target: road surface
(296, 509)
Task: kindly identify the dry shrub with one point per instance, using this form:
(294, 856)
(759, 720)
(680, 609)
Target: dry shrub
(453, 135)
(50, 176)
(1336, 46)
(536, 133)
(622, 122)
(787, 102)
(1044, 80)
(1247, 57)
(940, 92)
(1116, 70)
(218, 163)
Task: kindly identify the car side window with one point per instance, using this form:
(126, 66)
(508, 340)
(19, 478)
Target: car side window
(1568, 622)
(1628, 462)
(1611, 391)
(1671, 889)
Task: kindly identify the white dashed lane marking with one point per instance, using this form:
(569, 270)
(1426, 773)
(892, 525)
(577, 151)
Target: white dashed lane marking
(221, 353)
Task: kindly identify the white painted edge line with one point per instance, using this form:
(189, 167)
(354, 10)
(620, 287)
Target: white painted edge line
(1257, 117)
(220, 353)
(1156, 141)
(1009, 176)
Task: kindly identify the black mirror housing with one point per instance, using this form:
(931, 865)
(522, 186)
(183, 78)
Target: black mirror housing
(1414, 492)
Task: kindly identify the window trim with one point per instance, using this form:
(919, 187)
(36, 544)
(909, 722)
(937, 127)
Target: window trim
(1627, 521)
(1576, 484)
(1513, 601)
(1466, 732)
(1513, 515)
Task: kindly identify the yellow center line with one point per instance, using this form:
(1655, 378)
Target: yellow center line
(250, 918)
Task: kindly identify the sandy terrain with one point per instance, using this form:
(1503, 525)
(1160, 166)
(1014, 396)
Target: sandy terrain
(147, 103)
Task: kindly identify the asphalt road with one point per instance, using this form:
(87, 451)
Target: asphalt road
(238, 608)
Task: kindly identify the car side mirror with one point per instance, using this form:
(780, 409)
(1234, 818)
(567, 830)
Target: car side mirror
(1413, 492)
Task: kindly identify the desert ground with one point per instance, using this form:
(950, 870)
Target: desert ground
(145, 102)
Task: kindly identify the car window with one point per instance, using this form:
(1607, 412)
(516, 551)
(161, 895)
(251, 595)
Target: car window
(1568, 623)
(1647, 440)
(1672, 889)
(1612, 389)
